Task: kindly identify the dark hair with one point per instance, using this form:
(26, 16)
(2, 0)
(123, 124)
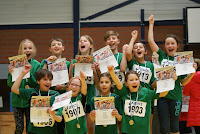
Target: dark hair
(130, 72)
(142, 44)
(109, 33)
(107, 75)
(42, 73)
(178, 41)
(56, 39)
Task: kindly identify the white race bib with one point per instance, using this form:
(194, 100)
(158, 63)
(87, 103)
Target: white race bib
(70, 111)
(137, 108)
(144, 73)
(120, 75)
(89, 80)
(50, 123)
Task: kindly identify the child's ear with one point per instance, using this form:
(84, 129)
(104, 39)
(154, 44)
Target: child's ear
(63, 48)
(38, 82)
(91, 45)
(145, 52)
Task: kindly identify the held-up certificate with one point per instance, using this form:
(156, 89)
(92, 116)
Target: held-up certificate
(49, 123)
(185, 103)
(105, 57)
(84, 63)
(103, 108)
(39, 106)
(62, 100)
(164, 77)
(184, 62)
(72, 111)
(18, 62)
(59, 70)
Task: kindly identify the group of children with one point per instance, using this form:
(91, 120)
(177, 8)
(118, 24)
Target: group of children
(138, 89)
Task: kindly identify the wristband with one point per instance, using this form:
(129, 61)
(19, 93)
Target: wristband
(45, 61)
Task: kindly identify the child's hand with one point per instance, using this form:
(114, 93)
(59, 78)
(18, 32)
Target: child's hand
(60, 87)
(51, 112)
(51, 58)
(151, 19)
(115, 112)
(175, 76)
(110, 68)
(124, 48)
(95, 65)
(195, 65)
(10, 69)
(26, 69)
(71, 66)
(93, 114)
(134, 34)
(82, 75)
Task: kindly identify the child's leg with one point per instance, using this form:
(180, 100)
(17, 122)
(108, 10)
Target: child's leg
(163, 114)
(27, 115)
(197, 129)
(90, 124)
(175, 111)
(19, 120)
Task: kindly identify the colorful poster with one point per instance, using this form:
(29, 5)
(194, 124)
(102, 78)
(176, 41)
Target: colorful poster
(105, 57)
(39, 106)
(59, 70)
(164, 77)
(18, 62)
(103, 108)
(184, 62)
(62, 100)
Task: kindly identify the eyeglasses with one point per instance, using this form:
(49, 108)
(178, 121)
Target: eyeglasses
(75, 85)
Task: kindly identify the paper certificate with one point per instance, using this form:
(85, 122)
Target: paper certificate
(164, 77)
(59, 70)
(39, 106)
(50, 123)
(17, 63)
(105, 57)
(103, 108)
(185, 103)
(62, 100)
(184, 62)
(84, 64)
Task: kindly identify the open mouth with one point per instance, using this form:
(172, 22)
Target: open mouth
(28, 55)
(134, 86)
(139, 53)
(82, 46)
(170, 50)
(47, 86)
(112, 44)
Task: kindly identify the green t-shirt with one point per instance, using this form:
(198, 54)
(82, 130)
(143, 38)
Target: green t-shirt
(109, 129)
(71, 126)
(147, 75)
(166, 60)
(53, 88)
(26, 94)
(16, 100)
(90, 89)
(118, 57)
(141, 124)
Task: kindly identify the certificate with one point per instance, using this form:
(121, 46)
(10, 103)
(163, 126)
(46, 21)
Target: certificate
(184, 62)
(18, 62)
(105, 57)
(59, 70)
(39, 106)
(62, 100)
(164, 77)
(103, 108)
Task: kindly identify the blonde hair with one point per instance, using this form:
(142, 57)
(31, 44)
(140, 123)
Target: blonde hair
(197, 60)
(91, 42)
(21, 47)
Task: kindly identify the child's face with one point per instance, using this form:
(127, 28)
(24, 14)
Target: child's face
(133, 82)
(170, 46)
(75, 86)
(45, 83)
(56, 47)
(84, 45)
(139, 50)
(105, 85)
(28, 50)
(113, 42)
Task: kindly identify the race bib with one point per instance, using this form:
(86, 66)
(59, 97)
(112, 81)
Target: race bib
(120, 75)
(70, 111)
(89, 80)
(50, 123)
(137, 108)
(144, 73)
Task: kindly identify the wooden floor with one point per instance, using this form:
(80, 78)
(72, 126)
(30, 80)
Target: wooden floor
(7, 123)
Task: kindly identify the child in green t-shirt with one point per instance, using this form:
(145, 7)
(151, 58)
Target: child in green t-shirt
(106, 85)
(171, 104)
(21, 106)
(43, 78)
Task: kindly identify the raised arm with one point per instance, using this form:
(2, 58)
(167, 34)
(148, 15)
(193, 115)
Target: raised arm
(154, 47)
(16, 85)
(129, 50)
(114, 77)
(70, 69)
(84, 85)
(123, 64)
(53, 114)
